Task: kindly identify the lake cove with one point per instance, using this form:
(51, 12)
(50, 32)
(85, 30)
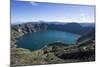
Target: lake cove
(38, 40)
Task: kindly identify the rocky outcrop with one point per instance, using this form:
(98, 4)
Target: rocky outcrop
(29, 27)
(54, 53)
(25, 28)
(82, 52)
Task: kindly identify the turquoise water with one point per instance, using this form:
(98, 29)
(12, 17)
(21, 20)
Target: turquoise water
(37, 40)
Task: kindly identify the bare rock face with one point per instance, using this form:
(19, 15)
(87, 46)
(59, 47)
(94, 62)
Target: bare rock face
(29, 27)
(25, 28)
(82, 52)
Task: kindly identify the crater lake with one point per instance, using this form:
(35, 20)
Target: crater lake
(38, 40)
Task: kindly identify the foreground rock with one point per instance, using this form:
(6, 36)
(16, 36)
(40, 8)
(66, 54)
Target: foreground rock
(53, 54)
(77, 52)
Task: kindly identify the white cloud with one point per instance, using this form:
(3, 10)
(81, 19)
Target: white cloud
(34, 3)
(83, 17)
(31, 2)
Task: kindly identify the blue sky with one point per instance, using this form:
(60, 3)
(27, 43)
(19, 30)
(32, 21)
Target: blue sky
(28, 11)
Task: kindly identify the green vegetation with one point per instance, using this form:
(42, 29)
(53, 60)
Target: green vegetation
(52, 55)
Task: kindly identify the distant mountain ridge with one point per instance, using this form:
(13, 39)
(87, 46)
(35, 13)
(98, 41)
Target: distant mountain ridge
(77, 28)
(72, 27)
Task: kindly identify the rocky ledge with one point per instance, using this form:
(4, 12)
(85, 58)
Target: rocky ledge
(53, 54)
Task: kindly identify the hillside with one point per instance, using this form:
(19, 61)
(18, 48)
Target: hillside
(73, 27)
